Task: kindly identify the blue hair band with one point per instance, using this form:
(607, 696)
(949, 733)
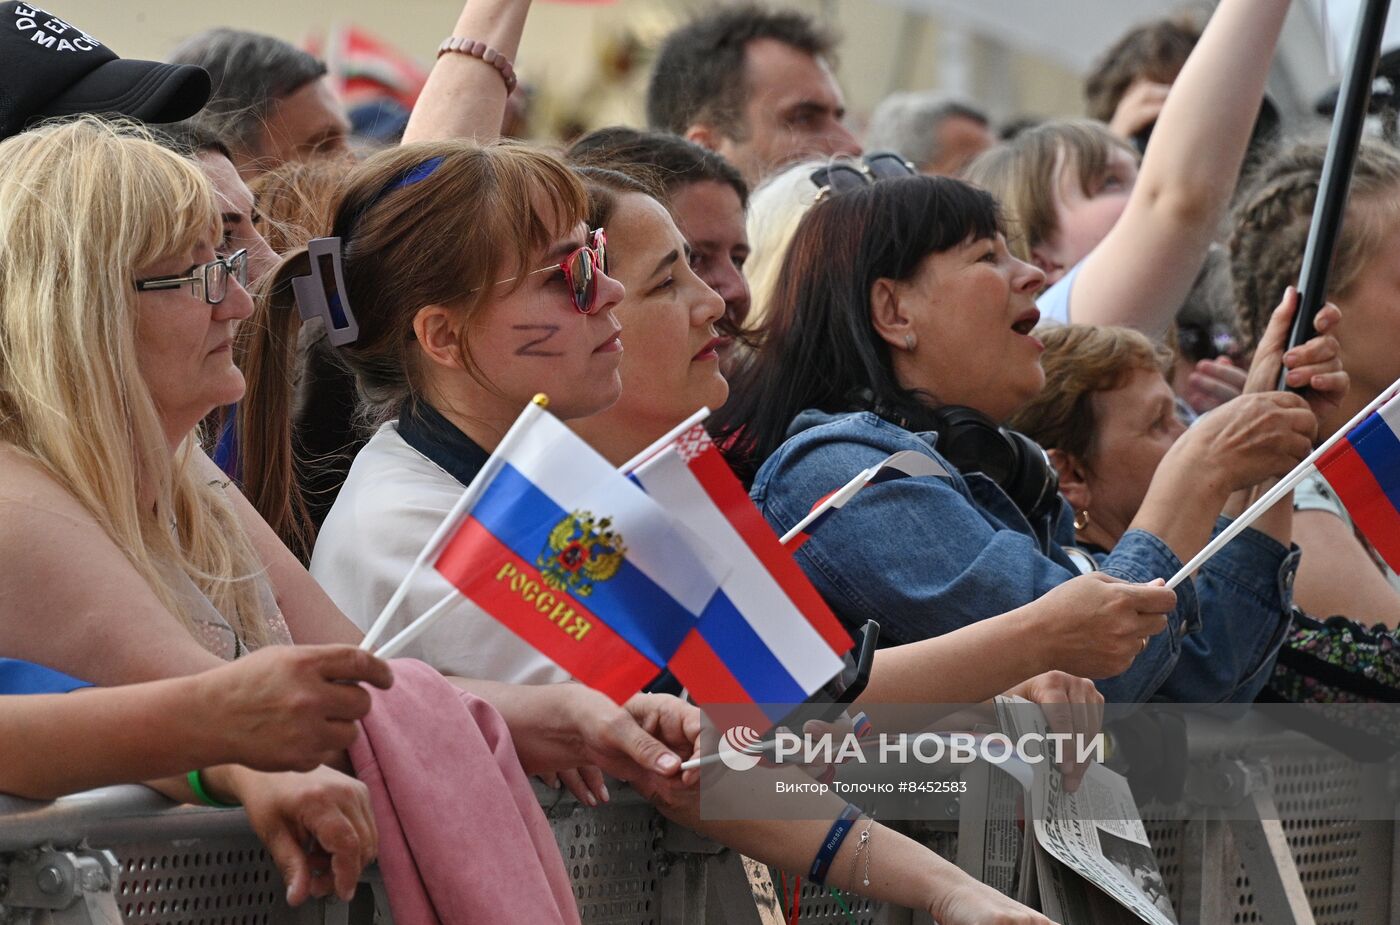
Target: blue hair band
(419, 172)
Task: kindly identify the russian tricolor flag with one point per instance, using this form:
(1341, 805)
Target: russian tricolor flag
(767, 637)
(579, 562)
(1363, 468)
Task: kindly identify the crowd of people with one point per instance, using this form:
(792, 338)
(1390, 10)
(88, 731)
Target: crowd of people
(209, 489)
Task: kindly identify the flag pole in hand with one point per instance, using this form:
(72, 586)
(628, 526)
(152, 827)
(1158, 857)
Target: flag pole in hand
(460, 510)
(1284, 486)
(1348, 120)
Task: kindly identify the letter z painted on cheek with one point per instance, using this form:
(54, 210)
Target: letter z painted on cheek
(532, 348)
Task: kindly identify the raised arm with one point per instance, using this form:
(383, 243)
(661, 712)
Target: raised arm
(465, 97)
(1142, 270)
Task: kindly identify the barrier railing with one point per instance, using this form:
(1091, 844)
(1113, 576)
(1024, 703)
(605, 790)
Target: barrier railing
(124, 854)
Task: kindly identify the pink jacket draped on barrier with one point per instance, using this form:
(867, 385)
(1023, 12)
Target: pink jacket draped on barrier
(462, 838)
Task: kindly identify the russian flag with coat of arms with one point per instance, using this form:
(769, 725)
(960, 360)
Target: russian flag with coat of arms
(1363, 468)
(576, 560)
(767, 637)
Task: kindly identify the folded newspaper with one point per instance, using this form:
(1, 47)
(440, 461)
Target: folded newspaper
(1089, 861)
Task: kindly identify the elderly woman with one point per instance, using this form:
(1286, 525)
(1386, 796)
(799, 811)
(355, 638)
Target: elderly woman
(1106, 420)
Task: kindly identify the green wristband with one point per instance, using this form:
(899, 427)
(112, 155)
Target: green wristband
(196, 782)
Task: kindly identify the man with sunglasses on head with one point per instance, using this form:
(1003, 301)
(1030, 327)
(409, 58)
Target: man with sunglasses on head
(754, 84)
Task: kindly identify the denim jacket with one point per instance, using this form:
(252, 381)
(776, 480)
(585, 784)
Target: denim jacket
(925, 556)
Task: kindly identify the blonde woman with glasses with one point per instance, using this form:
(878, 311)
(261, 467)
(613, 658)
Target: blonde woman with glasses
(127, 556)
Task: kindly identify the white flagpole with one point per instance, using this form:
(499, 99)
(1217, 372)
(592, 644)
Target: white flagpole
(714, 758)
(840, 497)
(463, 506)
(671, 437)
(416, 628)
(1272, 496)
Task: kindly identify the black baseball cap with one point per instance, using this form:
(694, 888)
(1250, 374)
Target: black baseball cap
(49, 67)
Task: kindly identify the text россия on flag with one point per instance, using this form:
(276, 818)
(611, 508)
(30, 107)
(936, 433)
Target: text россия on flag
(576, 560)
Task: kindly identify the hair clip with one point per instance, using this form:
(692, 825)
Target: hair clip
(322, 293)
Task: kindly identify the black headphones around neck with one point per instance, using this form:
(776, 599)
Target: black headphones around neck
(972, 442)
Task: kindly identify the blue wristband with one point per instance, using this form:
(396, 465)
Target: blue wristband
(832, 844)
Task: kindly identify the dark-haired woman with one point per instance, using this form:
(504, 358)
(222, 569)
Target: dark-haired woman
(902, 323)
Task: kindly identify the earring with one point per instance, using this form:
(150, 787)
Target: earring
(909, 342)
(1081, 520)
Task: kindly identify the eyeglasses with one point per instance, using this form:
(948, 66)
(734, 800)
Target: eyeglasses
(581, 268)
(844, 176)
(209, 282)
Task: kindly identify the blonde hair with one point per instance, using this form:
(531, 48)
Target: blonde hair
(775, 210)
(1024, 175)
(83, 204)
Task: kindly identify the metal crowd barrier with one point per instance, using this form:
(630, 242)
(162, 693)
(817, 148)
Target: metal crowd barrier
(124, 854)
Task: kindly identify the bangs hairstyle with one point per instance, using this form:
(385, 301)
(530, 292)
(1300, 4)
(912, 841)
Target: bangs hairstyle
(1081, 360)
(1024, 174)
(818, 348)
(84, 206)
(480, 217)
(484, 215)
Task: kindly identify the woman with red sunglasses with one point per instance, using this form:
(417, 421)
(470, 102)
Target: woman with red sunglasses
(464, 312)
(471, 283)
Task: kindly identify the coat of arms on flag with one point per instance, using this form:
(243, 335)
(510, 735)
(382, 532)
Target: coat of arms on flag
(537, 543)
(581, 551)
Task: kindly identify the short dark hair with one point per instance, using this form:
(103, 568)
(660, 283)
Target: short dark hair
(189, 138)
(817, 347)
(605, 185)
(250, 72)
(668, 159)
(699, 71)
(1154, 51)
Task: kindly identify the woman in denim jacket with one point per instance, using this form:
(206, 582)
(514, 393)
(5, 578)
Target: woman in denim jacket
(899, 301)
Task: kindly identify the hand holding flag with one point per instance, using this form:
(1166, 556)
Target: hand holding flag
(572, 557)
(1369, 487)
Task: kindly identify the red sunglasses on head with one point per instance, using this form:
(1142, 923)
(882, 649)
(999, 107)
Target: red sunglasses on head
(581, 268)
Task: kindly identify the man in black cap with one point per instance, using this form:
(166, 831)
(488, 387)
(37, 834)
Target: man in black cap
(49, 67)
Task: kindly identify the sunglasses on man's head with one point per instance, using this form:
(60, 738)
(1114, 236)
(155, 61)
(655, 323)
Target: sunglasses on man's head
(580, 267)
(843, 176)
